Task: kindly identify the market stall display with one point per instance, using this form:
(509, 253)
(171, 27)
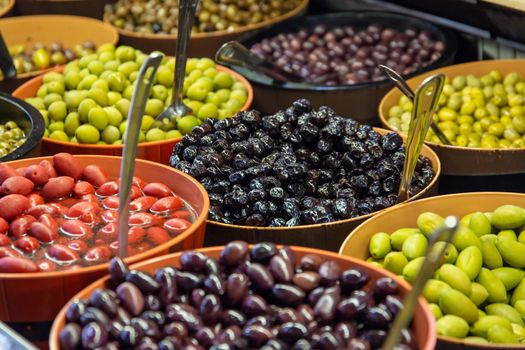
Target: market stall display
(152, 25)
(55, 288)
(283, 279)
(299, 176)
(352, 86)
(43, 31)
(480, 265)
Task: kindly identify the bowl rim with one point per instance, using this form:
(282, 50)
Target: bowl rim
(422, 303)
(402, 206)
(390, 95)
(37, 127)
(448, 35)
(300, 228)
(459, 341)
(247, 105)
(8, 8)
(199, 221)
(218, 33)
(32, 18)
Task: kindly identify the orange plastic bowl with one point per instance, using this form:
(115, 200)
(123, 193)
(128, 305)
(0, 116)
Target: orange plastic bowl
(157, 151)
(37, 297)
(423, 322)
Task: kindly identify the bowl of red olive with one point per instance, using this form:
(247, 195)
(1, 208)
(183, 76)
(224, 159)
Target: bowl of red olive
(336, 58)
(302, 176)
(239, 296)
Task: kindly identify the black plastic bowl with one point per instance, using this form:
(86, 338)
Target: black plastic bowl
(28, 119)
(358, 101)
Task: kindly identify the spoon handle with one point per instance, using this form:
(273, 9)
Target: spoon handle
(432, 259)
(6, 62)
(398, 80)
(187, 10)
(425, 101)
(407, 91)
(131, 139)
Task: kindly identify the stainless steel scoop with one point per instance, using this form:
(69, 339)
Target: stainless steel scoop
(177, 108)
(131, 140)
(425, 101)
(432, 258)
(407, 91)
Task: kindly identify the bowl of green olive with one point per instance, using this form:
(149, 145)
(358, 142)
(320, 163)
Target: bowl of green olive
(39, 43)
(152, 25)
(85, 104)
(482, 113)
(21, 129)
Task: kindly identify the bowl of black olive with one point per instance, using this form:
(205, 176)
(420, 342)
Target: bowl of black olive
(301, 176)
(336, 58)
(242, 297)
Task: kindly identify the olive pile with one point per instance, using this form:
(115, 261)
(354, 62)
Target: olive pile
(349, 55)
(486, 112)
(11, 137)
(89, 102)
(478, 293)
(161, 16)
(299, 166)
(39, 56)
(258, 298)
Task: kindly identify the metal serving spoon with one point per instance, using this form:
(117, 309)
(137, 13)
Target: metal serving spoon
(236, 54)
(177, 108)
(407, 91)
(425, 101)
(131, 139)
(432, 258)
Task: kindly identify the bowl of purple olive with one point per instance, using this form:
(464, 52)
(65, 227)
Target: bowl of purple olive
(335, 58)
(302, 176)
(242, 297)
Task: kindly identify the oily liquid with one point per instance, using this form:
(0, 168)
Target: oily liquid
(65, 237)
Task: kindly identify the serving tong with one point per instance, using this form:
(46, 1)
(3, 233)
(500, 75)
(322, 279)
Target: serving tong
(233, 53)
(446, 233)
(131, 139)
(425, 102)
(402, 85)
(177, 108)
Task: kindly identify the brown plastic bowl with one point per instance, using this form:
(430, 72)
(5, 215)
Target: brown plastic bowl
(8, 9)
(46, 29)
(157, 151)
(356, 244)
(327, 236)
(201, 44)
(37, 297)
(463, 160)
(424, 326)
(87, 8)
